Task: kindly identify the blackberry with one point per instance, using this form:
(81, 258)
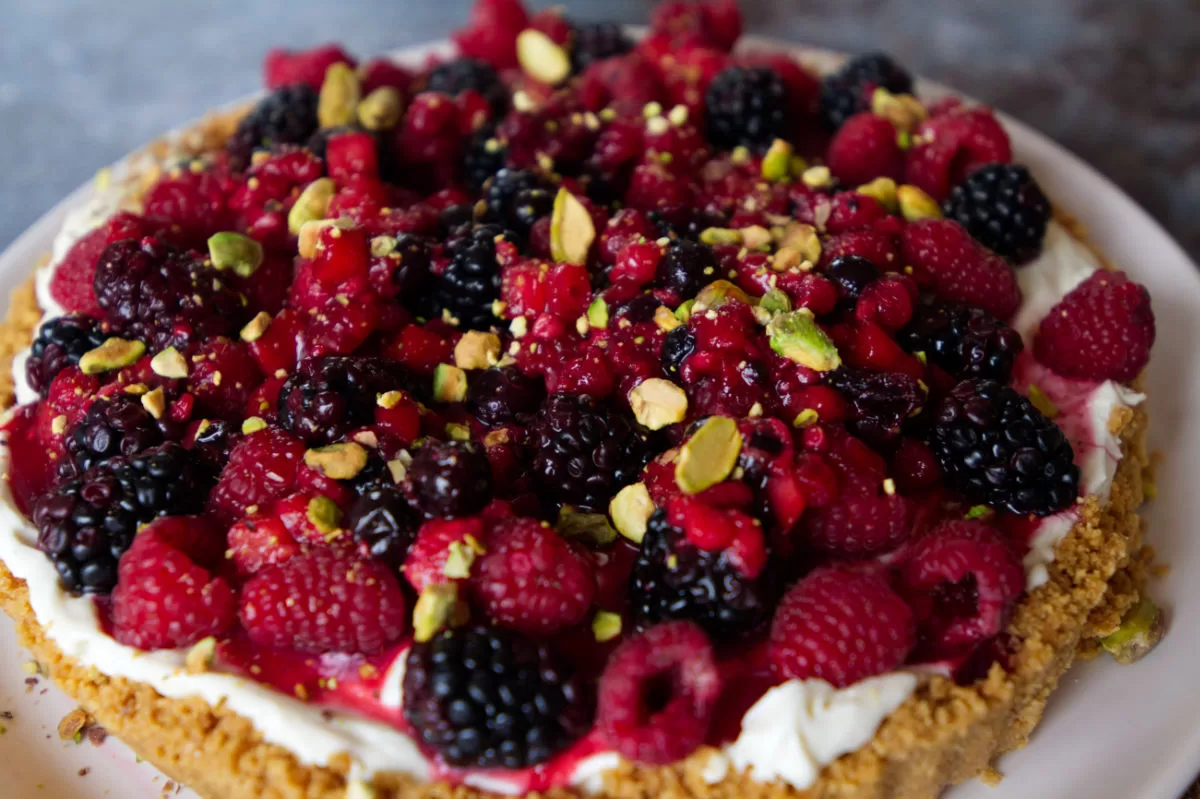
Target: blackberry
(997, 449)
(673, 579)
(484, 157)
(455, 222)
(516, 198)
(745, 106)
(287, 115)
(449, 479)
(114, 427)
(585, 452)
(60, 343)
(851, 274)
(165, 296)
(213, 442)
(462, 74)
(848, 91)
(86, 524)
(686, 224)
(880, 402)
(686, 267)
(383, 521)
(965, 341)
(677, 346)
(487, 698)
(637, 309)
(325, 397)
(503, 396)
(596, 42)
(470, 283)
(408, 269)
(1003, 208)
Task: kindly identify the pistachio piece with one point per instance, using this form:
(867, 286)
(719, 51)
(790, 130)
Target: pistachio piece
(398, 469)
(797, 336)
(591, 527)
(606, 626)
(776, 163)
(342, 461)
(459, 559)
(458, 432)
(1140, 631)
(253, 424)
(755, 237)
(436, 609)
(804, 239)
(477, 350)
(58, 425)
(883, 190)
(571, 229)
(1042, 401)
(916, 204)
(200, 657)
(806, 418)
(709, 455)
(775, 301)
(155, 402)
(324, 514)
(717, 293)
(235, 251)
(979, 512)
(597, 314)
(714, 236)
(904, 111)
(170, 363)
(449, 383)
(817, 177)
(684, 311)
(630, 509)
(665, 319)
(310, 234)
(657, 402)
(256, 327)
(787, 259)
(73, 724)
(113, 354)
(311, 206)
(338, 102)
(541, 58)
(381, 109)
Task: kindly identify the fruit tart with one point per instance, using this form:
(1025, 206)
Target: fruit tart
(575, 415)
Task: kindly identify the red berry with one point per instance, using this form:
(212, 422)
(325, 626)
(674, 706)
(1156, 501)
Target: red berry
(1102, 330)
(260, 541)
(950, 146)
(167, 595)
(277, 348)
(223, 378)
(714, 529)
(191, 204)
(262, 467)
(71, 284)
(323, 602)
(636, 263)
(352, 155)
(380, 72)
(284, 67)
(947, 260)
(876, 246)
(426, 561)
(914, 466)
(531, 580)
(840, 625)
(859, 523)
(491, 32)
(658, 692)
(865, 148)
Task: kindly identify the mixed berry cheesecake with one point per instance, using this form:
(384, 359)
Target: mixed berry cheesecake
(575, 415)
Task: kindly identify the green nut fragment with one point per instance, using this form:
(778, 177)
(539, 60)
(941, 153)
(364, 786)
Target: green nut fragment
(684, 311)
(242, 254)
(606, 626)
(382, 246)
(714, 236)
(1040, 400)
(256, 327)
(979, 512)
(804, 239)
(1140, 631)
(657, 402)
(170, 363)
(709, 455)
(817, 177)
(449, 383)
(916, 204)
(755, 237)
(883, 190)
(155, 402)
(311, 205)
(337, 104)
(904, 111)
(571, 229)
(460, 557)
(324, 514)
(717, 293)
(253, 424)
(775, 301)
(776, 163)
(806, 418)
(665, 319)
(200, 657)
(597, 314)
(591, 527)
(542, 58)
(477, 350)
(797, 336)
(342, 461)
(381, 109)
(114, 353)
(458, 432)
(436, 609)
(630, 509)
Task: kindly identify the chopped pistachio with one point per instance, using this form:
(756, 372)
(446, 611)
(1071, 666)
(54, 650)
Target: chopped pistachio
(571, 229)
(449, 383)
(684, 311)
(709, 455)
(381, 109)
(58, 425)
(979, 512)
(458, 432)
(606, 626)
(200, 657)
(1140, 631)
(804, 239)
(436, 609)
(916, 204)
(311, 206)
(253, 424)
(797, 336)
(459, 560)
(310, 234)
(1040, 400)
(597, 314)
(398, 470)
(256, 327)
(717, 293)
(714, 236)
(657, 402)
(324, 514)
(775, 301)
(776, 163)
(155, 402)
(591, 527)
(817, 177)
(883, 190)
(73, 724)
(341, 461)
(755, 237)
(806, 418)
(113, 354)
(665, 319)
(904, 111)
(477, 350)
(337, 105)
(542, 58)
(630, 509)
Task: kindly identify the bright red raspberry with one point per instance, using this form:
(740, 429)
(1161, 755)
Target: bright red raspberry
(352, 155)
(422, 347)
(950, 146)
(841, 625)
(865, 148)
(323, 602)
(167, 594)
(260, 541)
(946, 259)
(69, 395)
(222, 380)
(714, 529)
(658, 692)
(887, 303)
(284, 67)
(859, 523)
(491, 32)
(71, 284)
(876, 246)
(964, 579)
(853, 211)
(426, 561)
(531, 579)
(626, 84)
(278, 347)
(262, 467)
(1102, 330)
(380, 72)
(636, 263)
(192, 204)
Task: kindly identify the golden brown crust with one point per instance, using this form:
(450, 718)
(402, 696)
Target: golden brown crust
(941, 735)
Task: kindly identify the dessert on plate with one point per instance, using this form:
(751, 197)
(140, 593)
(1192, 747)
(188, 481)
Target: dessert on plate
(570, 415)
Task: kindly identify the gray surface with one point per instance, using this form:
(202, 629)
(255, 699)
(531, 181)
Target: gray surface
(1118, 82)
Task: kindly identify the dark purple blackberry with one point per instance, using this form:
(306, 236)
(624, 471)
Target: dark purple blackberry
(880, 402)
(60, 343)
(470, 283)
(503, 396)
(686, 267)
(516, 198)
(114, 427)
(848, 91)
(86, 524)
(851, 274)
(455, 222)
(461, 74)
(965, 341)
(1003, 207)
(686, 223)
(673, 579)
(213, 442)
(585, 452)
(164, 296)
(408, 267)
(997, 449)
(325, 397)
(597, 41)
(746, 106)
(677, 346)
(287, 115)
(383, 521)
(637, 309)
(483, 158)
(487, 698)
(449, 479)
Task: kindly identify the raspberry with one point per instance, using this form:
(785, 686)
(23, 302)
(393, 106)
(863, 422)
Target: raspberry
(259, 541)
(71, 283)
(880, 402)
(114, 427)
(949, 147)
(863, 149)
(288, 115)
(503, 395)
(841, 625)
(1102, 330)
(998, 449)
(966, 579)
(261, 467)
(326, 397)
(60, 342)
(532, 580)
(190, 203)
(284, 67)
(426, 561)
(945, 258)
(462, 74)
(597, 41)
(168, 596)
(383, 521)
(746, 106)
(965, 341)
(349, 605)
(848, 91)
(491, 32)
(1003, 207)
(487, 698)
(877, 247)
(657, 693)
(449, 479)
(164, 296)
(862, 521)
(223, 379)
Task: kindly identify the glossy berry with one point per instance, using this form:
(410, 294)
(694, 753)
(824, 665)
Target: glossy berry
(60, 342)
(965, 341)
(261, 467)
(1003, 207)
(483, 157)
(503, 395)
(999, 450)
(486, 698)
(470, 284)
(955, 268)
(746, 106)
(851, 274)
(685, 268)
(596, 42)
(880, 402)
(449, 479)
(848, 91)
(515, 199)
(326, 397)
(288, 115)
(463, 74)
(112, 427)
(677, 346)
(382, 520)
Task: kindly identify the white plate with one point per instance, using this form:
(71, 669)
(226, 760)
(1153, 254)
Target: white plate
(1109, 732)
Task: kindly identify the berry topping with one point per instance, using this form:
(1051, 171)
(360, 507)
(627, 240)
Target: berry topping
(865, 148)
(382, 520)
(450, 479)
(487, 698)
(468, 74)
(287, 115)
(501, 396)
(965, 341)
(746, 106)
(945, 258)
(470, 283)
(60, 342)
(1003, 207)
(112, 427)
(326, 397)
(596, 42)
(848, 91)
(685, 268)
(999, 450)
(948, 147)
(515, 199)
(261, 467)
